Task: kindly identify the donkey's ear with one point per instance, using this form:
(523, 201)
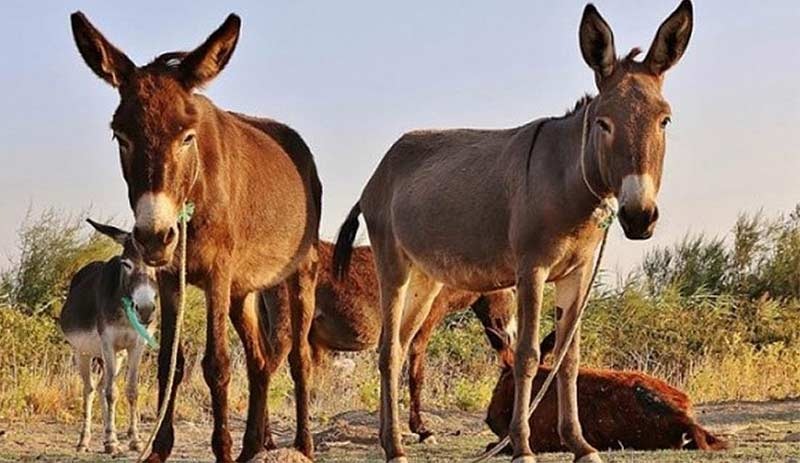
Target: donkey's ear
(547, 345)
(100, 55)
(498, 340)
(671, 39)
(597, 43)
(120, 236)
(210, 58)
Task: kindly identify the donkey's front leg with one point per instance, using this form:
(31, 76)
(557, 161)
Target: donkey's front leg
(302, 288)
(530, 290)
(569, 297)
(132, 394)
(85, 369)
(110, 441)
(216, 361)
(246, 321)
(168, 293)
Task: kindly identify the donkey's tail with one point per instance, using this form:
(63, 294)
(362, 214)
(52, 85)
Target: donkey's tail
(343, 249)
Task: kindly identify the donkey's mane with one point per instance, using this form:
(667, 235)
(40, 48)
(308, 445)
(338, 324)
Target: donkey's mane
(582, 102)
(167, 62)
(626, 60)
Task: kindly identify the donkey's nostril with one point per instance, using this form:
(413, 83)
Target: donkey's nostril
(170, 235)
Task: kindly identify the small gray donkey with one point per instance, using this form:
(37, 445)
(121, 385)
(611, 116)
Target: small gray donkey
(96, 326)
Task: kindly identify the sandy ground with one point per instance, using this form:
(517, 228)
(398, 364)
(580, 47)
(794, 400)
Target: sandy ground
(760, 432)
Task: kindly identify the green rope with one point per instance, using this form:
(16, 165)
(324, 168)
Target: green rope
(186, 213)
(127, 304)
(610, 211)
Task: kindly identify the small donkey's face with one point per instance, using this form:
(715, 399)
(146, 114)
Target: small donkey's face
(137, 280)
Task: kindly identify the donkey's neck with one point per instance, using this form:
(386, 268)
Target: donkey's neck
(576, 160)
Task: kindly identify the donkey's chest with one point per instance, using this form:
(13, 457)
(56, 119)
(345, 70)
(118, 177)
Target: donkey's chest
(258, 255)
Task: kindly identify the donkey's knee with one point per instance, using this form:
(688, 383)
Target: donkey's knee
(110, 395)
(389, 357)
(132, 392)
(526, 362)
(216, 370)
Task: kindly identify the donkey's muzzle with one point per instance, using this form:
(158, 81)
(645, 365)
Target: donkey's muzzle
(146, 314)
(156, 247)
(638, 223)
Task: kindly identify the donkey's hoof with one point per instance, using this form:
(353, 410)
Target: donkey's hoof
(135, 445)
(154, 458)
(82, 447)
(398, 460)
(524, 459)
(428, 439)
(593, 457)
(111, 448)
(280, 456)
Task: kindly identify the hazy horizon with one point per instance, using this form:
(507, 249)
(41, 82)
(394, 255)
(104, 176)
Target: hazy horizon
(352, 77)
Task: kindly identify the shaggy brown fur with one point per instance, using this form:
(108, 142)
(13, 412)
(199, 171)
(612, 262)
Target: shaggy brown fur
(257, 204)
(618, 410)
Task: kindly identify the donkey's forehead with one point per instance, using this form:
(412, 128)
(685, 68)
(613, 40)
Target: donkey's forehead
(635, 92)
(155, 103)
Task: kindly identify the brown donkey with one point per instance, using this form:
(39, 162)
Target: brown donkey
(257, 197)
(347, 318)
(487, 209)
(618, 409)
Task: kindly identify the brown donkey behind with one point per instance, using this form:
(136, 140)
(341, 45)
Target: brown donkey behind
(481, 210)
(257, 197)
(347, 318)
(618, 409)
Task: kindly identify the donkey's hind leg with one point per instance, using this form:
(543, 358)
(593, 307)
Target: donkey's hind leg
(275, 310)
(302, 292)
(405, 308)
(245, 319)
(84, 363)
(393, 275)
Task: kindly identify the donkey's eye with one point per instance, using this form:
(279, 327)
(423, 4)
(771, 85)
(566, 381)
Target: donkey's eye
(603, 124)
(127, 265)
(124, 143)
(188, 139)
(665, 122)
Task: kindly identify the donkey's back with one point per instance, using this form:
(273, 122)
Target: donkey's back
(78, 320)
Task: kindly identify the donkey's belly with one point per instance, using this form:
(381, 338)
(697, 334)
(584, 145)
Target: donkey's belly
(85, 342)
(462, 273)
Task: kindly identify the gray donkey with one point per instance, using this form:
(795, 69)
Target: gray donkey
(95, 324)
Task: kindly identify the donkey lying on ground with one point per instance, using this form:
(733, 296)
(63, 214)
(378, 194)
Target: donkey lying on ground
(618, 409)
(347, 318)
(94, 323)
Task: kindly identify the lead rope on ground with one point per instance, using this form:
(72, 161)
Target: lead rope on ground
(183, 223)
(606, 216)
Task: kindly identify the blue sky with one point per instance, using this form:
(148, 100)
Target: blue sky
(353, 76)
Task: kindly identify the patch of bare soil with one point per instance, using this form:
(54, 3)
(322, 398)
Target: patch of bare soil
(760, 432)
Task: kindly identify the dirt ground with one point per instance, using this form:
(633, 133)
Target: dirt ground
(760, 432)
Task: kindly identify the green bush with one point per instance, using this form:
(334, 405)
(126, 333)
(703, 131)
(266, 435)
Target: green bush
(52, 247)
